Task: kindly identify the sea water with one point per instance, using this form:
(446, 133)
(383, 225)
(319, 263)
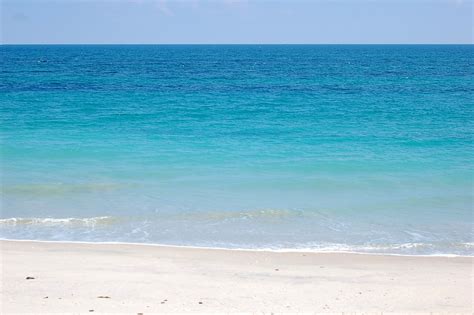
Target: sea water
(365, 148)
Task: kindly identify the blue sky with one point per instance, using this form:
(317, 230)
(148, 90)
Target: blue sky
(236, 21)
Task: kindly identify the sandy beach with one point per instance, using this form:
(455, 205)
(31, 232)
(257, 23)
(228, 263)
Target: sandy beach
(74, 277)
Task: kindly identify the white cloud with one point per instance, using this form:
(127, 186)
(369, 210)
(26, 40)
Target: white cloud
(163, 7)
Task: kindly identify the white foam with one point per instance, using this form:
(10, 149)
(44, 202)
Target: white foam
(57, 221)
(344, 249)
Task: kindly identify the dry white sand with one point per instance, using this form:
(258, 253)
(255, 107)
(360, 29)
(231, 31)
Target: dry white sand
(72, 277)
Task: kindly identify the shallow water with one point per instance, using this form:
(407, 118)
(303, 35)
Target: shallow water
(363, 148)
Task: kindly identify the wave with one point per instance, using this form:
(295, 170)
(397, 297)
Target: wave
(104, 220)
(246, 214)
(188, 230)
(333, 248)
(382, 248)
(60, 188)
(205, 215)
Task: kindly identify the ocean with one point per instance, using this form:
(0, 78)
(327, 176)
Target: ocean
(361, 148)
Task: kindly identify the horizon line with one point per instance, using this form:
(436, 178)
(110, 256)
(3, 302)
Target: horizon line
(227, 44)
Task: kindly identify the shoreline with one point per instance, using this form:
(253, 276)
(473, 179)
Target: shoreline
(265, 250)
(72, 277)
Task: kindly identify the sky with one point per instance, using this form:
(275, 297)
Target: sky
(236, 21)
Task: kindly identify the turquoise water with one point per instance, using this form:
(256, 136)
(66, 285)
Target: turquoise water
(360, 148)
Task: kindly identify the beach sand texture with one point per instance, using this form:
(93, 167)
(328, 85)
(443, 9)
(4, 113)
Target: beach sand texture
(75, 277)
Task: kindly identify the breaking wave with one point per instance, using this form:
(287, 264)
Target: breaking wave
(104, 220)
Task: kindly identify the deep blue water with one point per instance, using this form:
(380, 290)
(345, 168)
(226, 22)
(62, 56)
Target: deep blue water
(359, 147)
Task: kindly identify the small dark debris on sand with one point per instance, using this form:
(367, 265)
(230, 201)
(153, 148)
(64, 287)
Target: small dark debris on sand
(277, 269)
(200, 302)
(30, 278)
(103, 297)
(45, 297)
(90, 311)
